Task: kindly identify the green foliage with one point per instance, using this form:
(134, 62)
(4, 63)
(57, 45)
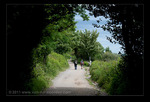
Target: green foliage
(79, 60)
(61, 59)
(56, 37)
(107, 50)
(61, 23)
(109, 76)
(119, 84)
(67, 55)
(43, 73)
(81, 11)
(126, 27)
(88, 43)
(44, 28)
(39, 80)
(37, 84)
(86, 63)
(85, 44)
(107, 56)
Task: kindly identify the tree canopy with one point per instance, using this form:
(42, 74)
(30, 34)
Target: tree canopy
(33, 31)
(126, 25)
(85, 44)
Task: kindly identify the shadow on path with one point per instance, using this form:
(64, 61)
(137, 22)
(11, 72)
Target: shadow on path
(70, 91)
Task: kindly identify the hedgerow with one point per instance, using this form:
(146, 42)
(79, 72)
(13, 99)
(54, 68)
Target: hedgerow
(108, 76)
(43, 73)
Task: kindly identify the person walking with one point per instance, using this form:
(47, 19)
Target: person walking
(90, 63)
(75, 64)
(81, 63)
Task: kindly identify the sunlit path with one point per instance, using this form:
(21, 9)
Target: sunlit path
(71, 82)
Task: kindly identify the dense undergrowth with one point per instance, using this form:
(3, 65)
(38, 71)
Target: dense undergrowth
(44, 72)
(34, 31)
(109, 76)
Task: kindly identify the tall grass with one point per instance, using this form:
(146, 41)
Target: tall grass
(108, 76)
(43, 73)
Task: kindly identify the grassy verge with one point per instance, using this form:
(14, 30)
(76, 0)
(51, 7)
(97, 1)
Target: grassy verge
(107, 74)
(101, 92)
(43, 73)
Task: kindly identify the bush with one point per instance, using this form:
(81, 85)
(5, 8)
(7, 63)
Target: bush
(86, 63)
(53, 66)
(105, 73)
(39, 83)
(60, 58)
(119, 81)
(107, 56)
(43, 73)
(67, 56)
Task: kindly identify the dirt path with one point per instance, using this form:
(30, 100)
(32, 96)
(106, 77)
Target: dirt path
(71, 83)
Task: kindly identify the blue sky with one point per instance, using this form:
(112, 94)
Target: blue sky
(82, 25)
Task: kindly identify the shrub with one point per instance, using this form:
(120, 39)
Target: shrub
(43, 73)
(107, 56)
(79, 60)
(104, 73)
(38, 83)
(67, 55)
(53, 66)
(86, 63)
(119, 81)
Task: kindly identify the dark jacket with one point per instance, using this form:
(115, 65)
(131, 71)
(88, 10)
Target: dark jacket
(75, 63)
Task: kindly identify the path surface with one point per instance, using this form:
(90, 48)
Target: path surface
(71, 82)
